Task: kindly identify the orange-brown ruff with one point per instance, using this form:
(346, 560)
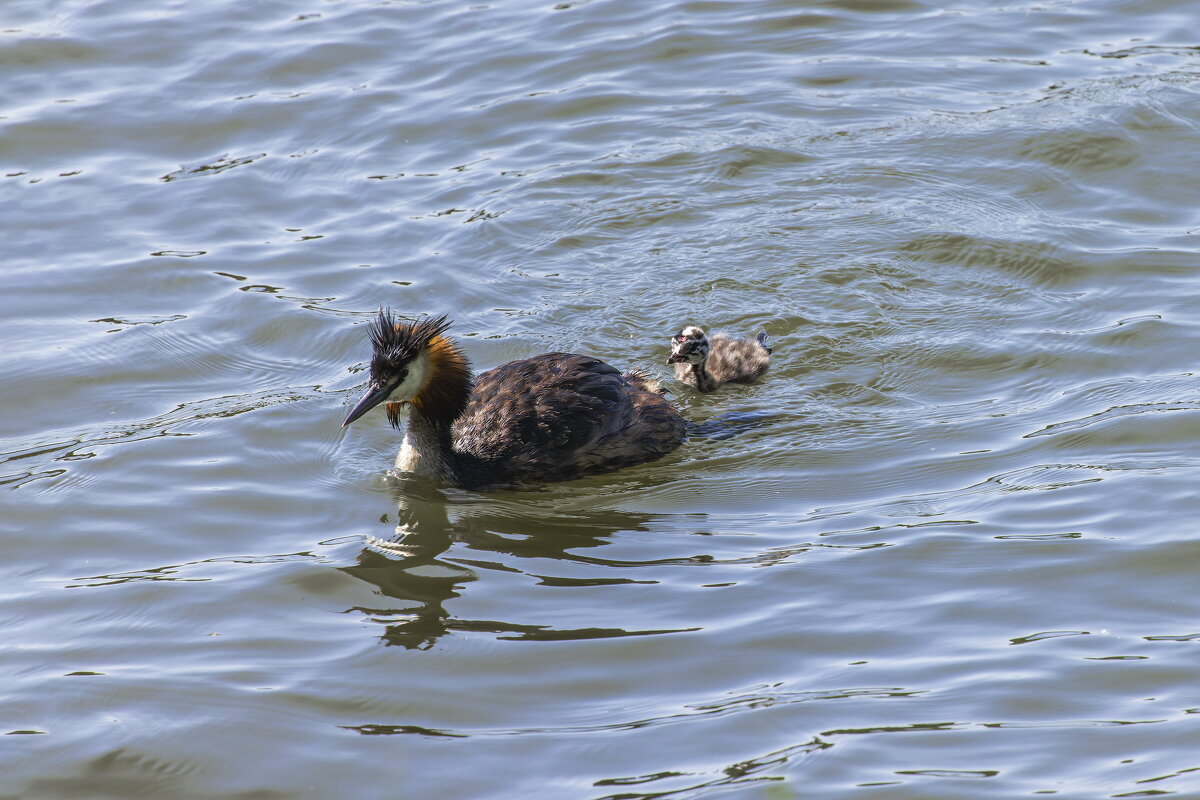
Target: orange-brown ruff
(447, 361)
(551, 417)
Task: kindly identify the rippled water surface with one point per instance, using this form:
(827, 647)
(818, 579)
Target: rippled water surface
(946, 548)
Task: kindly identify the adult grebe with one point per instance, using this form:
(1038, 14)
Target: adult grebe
(707, 363)
(552, 417)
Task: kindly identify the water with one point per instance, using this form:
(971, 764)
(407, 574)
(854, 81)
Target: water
(944, 549)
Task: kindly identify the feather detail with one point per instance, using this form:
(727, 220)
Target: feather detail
(403, 339)
(393, 414)
(448, 383)
(708, 362)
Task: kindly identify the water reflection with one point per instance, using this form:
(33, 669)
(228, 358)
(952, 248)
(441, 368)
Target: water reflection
(410, 565)
(407, 567)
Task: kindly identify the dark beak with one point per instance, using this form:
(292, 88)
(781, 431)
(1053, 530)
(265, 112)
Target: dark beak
(372, 398)
(675, 358)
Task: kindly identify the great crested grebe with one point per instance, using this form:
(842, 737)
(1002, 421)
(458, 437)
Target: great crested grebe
(707, 363)
(551, 417)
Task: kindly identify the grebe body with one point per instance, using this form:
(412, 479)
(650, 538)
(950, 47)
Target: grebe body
(708, 362)
(552, 417)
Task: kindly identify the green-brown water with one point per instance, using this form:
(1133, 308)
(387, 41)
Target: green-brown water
(945, 549)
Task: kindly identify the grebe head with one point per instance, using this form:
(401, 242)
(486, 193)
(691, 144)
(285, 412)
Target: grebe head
(689, 346)
(400, 362)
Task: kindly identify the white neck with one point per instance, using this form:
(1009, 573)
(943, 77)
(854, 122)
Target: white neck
(426, 449)
(409, 459)
(413, 457)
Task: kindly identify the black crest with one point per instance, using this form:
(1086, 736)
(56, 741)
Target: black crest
(395, 344)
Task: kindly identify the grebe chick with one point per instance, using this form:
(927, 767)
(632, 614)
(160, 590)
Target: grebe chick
(552, 417)
(708, 363)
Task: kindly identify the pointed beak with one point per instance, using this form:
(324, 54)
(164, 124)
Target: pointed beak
(372, 398)
(676, 358)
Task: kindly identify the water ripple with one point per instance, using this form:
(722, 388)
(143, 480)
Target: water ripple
(971, 233)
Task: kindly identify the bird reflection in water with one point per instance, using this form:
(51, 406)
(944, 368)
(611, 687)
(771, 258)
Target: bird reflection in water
(412, 566)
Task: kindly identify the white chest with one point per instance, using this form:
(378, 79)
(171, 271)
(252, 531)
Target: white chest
(410, 458)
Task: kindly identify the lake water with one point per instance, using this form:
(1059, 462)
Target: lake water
(946, 548)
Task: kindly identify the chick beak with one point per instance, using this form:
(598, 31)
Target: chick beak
(676, 358)
(372, 398)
